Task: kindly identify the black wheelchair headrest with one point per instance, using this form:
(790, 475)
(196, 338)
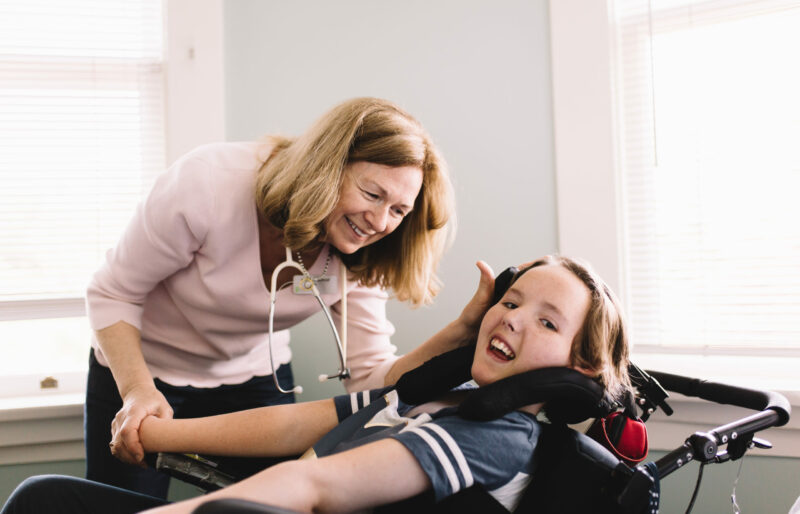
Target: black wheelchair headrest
(569, 396)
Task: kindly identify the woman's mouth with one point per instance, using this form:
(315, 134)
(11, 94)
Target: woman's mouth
(501, 350)
(358, 231)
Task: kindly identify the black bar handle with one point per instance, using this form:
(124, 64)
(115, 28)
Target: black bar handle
(753, 399)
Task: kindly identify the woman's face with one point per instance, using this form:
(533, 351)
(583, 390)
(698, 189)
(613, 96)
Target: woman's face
(532, 326)
(373, 201)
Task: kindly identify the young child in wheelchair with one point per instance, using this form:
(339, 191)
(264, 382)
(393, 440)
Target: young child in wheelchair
(555, 313)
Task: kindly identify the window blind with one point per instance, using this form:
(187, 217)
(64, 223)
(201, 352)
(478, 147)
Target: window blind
(710, 124)
(81, 139)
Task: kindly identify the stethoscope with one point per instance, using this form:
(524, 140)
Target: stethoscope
(308, 283)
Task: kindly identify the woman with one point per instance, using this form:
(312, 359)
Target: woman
(180, 308)
(556, 313)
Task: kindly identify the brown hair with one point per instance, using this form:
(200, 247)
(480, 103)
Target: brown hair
(299, 185)
(601, 344)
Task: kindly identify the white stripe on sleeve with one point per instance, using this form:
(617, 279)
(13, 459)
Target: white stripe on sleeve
(365, 398)
(353, 403)
(449, 470)
(455, 450)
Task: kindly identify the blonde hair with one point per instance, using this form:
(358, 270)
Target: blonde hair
(602, 342)
(299, 186)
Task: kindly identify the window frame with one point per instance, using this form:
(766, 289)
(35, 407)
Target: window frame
(589, 190)
(47, 424)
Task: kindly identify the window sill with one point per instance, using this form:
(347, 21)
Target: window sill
(43, 428)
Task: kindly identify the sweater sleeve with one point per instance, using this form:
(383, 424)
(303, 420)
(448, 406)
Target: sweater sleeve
(370, 353)
(166, 231)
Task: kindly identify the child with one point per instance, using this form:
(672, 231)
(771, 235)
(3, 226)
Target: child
(555, 313)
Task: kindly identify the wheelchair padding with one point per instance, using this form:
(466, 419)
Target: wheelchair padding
(576, 396)
(436, 376)
(574, 474)
(570, 396)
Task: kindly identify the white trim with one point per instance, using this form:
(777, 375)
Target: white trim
(195, 78)
(42, 309)
(584, 136)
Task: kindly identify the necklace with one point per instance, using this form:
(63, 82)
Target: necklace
(303, 267)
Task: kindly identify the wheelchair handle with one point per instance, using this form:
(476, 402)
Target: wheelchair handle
(753, 399)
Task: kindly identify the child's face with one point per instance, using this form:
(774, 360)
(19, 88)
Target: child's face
(532, 326)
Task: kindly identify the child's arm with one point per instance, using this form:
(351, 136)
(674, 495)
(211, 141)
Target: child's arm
(279, 430)
(370, 475)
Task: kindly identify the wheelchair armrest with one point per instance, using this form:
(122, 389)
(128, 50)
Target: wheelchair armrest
(234, 506)
(193, 469)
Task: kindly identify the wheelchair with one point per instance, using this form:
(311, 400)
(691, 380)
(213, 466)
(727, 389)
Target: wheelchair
(608, 480)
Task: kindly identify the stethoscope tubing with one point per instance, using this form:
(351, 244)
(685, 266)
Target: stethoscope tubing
(343, 372)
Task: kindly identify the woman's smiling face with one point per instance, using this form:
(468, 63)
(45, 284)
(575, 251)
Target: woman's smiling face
(372, 203)
(533, 326)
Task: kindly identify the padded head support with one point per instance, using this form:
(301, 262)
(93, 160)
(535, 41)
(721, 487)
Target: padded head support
(570, 396)
(437, 376)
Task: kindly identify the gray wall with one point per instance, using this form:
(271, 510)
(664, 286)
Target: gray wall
(476, 74)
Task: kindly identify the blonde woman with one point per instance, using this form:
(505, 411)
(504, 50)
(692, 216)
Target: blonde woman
(180, 308)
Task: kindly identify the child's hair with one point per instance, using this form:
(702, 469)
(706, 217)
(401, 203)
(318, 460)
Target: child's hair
(602, 342)
(298, 187)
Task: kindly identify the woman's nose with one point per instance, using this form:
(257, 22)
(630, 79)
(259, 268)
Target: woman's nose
(378, 218)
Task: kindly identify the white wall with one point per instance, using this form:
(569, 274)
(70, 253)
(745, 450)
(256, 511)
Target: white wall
(476, 74)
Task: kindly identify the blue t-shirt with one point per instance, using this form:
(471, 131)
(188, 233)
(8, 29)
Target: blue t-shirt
(455, 453)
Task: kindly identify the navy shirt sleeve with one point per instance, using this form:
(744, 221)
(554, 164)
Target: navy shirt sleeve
(456, 453)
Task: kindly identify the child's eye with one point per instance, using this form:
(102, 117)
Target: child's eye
(509, 305)
(549, 325)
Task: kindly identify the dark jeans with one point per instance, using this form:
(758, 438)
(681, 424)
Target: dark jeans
(54, 494)
(103, 402)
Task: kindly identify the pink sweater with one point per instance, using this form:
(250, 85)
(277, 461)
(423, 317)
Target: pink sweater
(187, 274)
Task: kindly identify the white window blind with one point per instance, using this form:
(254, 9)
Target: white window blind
(710, 152)
(81, 138)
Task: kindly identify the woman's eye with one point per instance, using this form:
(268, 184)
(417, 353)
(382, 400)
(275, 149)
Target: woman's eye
(548, 325)
(371, 196)
(399, 213)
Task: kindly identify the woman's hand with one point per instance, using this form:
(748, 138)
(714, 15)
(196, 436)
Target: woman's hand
(138, 403)
(472, 315)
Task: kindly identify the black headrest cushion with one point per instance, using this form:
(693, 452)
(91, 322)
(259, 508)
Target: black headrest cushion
(571, 396)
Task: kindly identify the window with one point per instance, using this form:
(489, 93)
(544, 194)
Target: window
(665, 112)
(710, 121)
(81, 138)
